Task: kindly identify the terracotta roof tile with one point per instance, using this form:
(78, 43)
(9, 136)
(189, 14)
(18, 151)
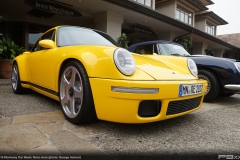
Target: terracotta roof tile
(233, 39)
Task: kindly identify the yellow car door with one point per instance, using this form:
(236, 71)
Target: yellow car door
(40, 63)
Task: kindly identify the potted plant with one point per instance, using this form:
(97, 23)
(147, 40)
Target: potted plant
(8, 51)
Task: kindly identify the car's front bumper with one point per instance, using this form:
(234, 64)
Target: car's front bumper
(123, 107)
(235, 87)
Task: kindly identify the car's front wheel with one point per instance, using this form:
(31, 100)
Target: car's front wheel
(213, 84)
(75, 94)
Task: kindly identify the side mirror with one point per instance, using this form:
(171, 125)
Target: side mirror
(46, 43)
(26, 52)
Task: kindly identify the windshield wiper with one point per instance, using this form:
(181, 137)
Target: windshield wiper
(177, 54)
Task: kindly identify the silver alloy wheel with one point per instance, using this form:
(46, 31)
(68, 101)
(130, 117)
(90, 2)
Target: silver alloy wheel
(15, 77)
(71, 92)
(205, 78)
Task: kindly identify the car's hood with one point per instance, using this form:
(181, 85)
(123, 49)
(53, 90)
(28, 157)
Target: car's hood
(164, 67)
(99, 62)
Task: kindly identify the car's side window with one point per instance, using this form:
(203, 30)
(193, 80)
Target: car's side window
(146, 49)
(49, 35)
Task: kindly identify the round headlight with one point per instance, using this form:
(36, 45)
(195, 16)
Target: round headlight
(192, 67)
(124, 61)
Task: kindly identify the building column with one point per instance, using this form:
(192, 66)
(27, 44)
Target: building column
(199, 48)
(109, 22)
(218, 52)
(153, 4)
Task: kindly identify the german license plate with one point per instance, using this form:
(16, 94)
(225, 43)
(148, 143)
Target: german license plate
(190, 89)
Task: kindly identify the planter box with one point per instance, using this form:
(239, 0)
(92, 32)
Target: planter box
(5, 69)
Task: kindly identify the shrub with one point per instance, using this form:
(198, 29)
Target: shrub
(9, 50)
(122, 41)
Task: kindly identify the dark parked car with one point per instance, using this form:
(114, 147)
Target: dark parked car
(222, 74)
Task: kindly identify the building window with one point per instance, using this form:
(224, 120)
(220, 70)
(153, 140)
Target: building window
(210, 29)
(145, 2)
(184, 15)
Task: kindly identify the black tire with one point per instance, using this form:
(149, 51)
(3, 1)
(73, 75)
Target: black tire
(84, 104)
(213, 84)
(226, 94)
(16, 81)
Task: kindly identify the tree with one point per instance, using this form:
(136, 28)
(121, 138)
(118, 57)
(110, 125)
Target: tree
(185, 41)
(209, 52)
(122, 41)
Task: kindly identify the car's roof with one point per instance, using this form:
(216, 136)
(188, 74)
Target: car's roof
(57, 27)
(134, 46)
(74, 26)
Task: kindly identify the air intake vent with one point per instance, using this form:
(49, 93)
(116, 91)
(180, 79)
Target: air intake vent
(149, 108)
(176, 107)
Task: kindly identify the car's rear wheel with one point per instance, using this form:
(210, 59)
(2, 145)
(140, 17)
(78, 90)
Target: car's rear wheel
(75, 94)
(16, 82)
(213, 85)
(226, 94)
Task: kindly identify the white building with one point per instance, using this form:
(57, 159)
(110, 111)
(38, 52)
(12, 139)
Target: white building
(142, 20)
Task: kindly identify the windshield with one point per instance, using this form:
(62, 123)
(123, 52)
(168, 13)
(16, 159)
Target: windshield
(172, 49)
(69, 36)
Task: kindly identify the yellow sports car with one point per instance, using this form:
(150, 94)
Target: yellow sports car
(93, 78)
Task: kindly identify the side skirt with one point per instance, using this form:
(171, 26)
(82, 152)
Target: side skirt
(42, 90)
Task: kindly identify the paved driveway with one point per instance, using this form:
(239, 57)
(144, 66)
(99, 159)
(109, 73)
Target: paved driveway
(211, 131)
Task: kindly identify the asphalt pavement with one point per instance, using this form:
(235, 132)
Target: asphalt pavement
(14, 104)
(36, 122)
